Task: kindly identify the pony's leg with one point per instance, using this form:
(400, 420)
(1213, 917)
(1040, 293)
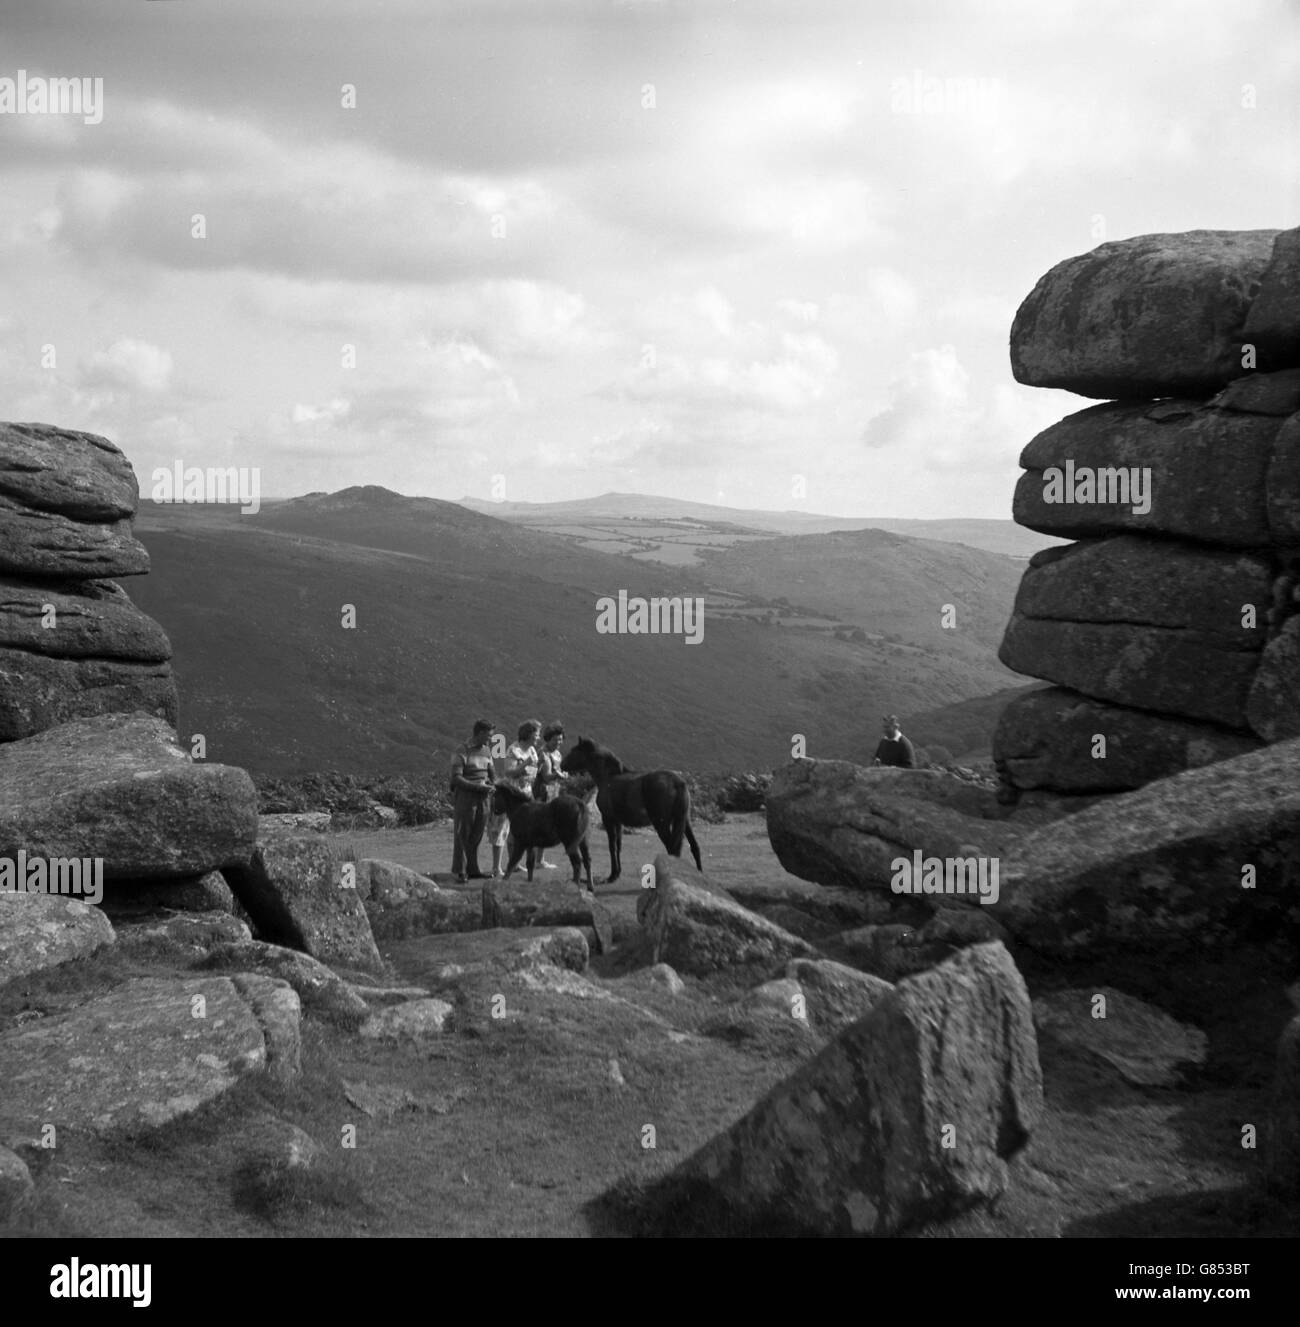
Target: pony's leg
(516, 852)
(531, 858)
(695, 847)
(586, 861)
(615, 832)
(571, 852)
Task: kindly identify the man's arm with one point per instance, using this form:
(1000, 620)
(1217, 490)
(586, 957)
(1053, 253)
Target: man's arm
(909, 752)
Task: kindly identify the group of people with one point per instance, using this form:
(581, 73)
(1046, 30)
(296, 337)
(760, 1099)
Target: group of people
(531, 763)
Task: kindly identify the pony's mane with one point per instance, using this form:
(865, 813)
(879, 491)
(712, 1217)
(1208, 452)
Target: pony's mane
(603, 755)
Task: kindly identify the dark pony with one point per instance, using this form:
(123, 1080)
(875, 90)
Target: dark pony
(543, 825)
(624, 797)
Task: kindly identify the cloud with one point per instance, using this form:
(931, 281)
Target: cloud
(131, 365)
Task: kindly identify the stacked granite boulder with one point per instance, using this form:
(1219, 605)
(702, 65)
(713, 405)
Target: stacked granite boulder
(1171, 627)
(72, 644)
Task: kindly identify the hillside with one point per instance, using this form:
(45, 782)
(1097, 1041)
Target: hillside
(638, 517)
(458, 614)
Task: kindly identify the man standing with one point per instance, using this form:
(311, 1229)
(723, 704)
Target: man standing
(894, 748)
(471, 787)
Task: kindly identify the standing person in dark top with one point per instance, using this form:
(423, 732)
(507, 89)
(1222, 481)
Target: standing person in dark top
(894, 748)
(471, 790)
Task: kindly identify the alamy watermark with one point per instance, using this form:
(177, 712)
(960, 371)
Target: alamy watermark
(34, 95)
(924, 94)
(82, 876)
(636, 616)
(1113, 485)
(233, 484)
(945, 875)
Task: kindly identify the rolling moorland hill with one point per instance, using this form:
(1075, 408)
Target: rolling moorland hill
(675, 529)
(460, 614)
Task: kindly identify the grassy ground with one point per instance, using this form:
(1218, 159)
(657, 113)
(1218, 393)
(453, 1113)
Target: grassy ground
(517, 1126)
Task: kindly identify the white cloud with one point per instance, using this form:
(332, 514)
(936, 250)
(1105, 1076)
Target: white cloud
(129, 364)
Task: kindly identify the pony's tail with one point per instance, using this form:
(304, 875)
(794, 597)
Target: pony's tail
(680, 820)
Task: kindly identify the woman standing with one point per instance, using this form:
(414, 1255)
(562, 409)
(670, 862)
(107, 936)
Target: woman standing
(549, 776)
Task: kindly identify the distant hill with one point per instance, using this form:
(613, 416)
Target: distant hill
(459, 614)
(611, 511)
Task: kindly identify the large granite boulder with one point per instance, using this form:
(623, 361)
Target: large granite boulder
(39, 691)
(1168, 669)
(295, 890)
(1129, 580)
(841, 824)
(78, 620)
(1047, 739)
(46, 543)
(909, 1115)
(118, 787)
(39, 931)
(1155, 315)
(1203, 471)
(1207, 858)
(699, 931)
(66, 504)
(835, 994)
(1273, 324)
(148, 1052)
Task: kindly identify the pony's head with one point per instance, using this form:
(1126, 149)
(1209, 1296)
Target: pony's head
(504, 797)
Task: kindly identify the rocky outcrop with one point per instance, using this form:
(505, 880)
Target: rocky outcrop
(1176, 607)
(294, 889)
(150, 1051)
(909, 1115)
(39, 931)
(71, 642)
(117, 787)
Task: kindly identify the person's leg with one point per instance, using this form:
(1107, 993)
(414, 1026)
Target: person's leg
(459, 825)
(474, 836)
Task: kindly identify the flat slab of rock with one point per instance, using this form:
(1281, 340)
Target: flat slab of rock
(1273, 324)
(698, 932)
(909, 1115)
(1128, 580)
(1164, 865)
(40, 931)
(118, 787)
(1208, 470)
(45, 543)
(516, 903)
(78, 620)
(1047, 739)
(1155, 315)
(841, 824)
(78, 474)
(1187, 674)
(401, 903)
(1145, 1045)
(199, 893)
(39, 691)
(321, 991)
(148, 1052)
(294, 890)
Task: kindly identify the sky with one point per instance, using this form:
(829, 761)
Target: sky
(760, 254)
